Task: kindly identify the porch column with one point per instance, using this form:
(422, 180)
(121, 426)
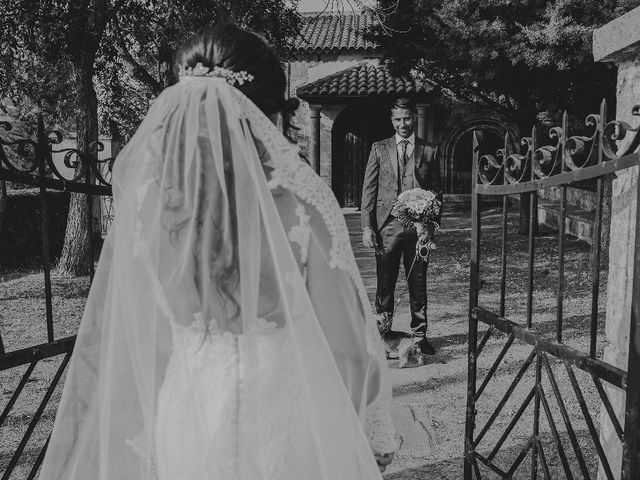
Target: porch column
(619, 42)
(314, 138)
(425, 121)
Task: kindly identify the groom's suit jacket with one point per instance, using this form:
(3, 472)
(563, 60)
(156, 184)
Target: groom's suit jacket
(380, 188)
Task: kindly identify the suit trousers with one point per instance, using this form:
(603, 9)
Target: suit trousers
(396, 242)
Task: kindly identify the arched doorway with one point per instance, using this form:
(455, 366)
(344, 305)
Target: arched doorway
(458, 151)
(354, 131)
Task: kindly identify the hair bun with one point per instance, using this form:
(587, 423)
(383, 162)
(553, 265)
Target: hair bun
(290, 105)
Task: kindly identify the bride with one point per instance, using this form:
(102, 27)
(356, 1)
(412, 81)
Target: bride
(227, 334)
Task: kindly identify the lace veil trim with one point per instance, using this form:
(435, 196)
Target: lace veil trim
(298, 177)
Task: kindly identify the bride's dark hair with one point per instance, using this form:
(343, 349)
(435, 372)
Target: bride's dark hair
(231, 47)
(228, 46)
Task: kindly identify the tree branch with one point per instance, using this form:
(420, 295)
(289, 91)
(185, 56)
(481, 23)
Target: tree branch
(139, 71)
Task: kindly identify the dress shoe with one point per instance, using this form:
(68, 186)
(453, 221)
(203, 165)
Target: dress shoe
(426, 347)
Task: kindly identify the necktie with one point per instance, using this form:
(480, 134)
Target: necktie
(402, 162)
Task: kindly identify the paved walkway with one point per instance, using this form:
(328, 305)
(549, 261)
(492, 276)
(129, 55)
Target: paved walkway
(418, 456)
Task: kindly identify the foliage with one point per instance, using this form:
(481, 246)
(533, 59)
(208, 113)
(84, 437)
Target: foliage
(519, 57)
(147, 35)
(133, 52)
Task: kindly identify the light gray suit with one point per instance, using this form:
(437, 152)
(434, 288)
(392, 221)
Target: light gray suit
(394, 240)
(380, 187)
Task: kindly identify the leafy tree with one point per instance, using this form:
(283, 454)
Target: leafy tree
(529, 60)
(87, 44)
(145, 37)
(526, 59)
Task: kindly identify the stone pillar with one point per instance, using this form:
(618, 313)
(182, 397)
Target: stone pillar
(619, 42)
(425, 122)
(314, 138)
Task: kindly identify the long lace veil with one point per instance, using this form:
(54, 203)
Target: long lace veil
(218, 227)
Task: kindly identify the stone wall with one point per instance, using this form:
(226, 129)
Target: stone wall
(621, 251)
(619, 42)
(305, 70)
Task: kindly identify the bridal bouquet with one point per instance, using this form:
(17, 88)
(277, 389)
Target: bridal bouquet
(418, 208)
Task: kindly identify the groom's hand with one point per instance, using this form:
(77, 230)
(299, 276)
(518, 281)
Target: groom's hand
(369, 238)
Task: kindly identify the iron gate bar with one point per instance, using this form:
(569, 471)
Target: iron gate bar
(554, 431)
(503, 258)
(611, 374)
(561, 231)
(567, 178)
(491, 466)
(560, 288)
(34, 354)
(607, 405)
(533, 216)
(505, 398)
(41, 152)
(495, 365)
(512, 424)
(473, 323)
(476, 469)
(90, 232)
(536, 420)
(17, 392)
(545, 467)
(519, 458)
(55, 184)
(485, 337)
(565, 417)
(589, 421)
(36, 418)
(38, 462)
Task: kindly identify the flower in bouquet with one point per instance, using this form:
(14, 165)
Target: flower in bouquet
(417, 207)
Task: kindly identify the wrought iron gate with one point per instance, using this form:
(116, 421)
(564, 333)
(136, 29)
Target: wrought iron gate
(537, 166)
(31, 162)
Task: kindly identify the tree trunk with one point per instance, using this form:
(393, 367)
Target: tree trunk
(74, 259)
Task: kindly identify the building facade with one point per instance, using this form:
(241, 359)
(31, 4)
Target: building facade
(346, 91)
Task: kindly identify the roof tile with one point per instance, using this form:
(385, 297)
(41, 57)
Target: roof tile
(363, 79)
(334, 32)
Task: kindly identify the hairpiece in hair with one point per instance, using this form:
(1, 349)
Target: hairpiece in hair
(231, 77)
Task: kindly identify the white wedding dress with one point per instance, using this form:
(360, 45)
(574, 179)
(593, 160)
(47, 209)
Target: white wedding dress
(227, 334)
(249, 393)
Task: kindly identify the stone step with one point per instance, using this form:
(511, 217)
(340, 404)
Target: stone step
(578, 222)
(579, 198)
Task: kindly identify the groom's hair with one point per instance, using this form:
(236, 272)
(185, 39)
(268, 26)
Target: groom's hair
(404, 102)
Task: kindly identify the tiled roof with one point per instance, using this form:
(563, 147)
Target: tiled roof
(364, 79)
(333, 32)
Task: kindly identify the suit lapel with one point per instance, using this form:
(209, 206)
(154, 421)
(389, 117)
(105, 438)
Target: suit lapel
(392, 155)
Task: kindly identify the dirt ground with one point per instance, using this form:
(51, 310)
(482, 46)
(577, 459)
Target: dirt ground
(429, 401)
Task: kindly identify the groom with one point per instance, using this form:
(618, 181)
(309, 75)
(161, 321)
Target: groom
(395, 165)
